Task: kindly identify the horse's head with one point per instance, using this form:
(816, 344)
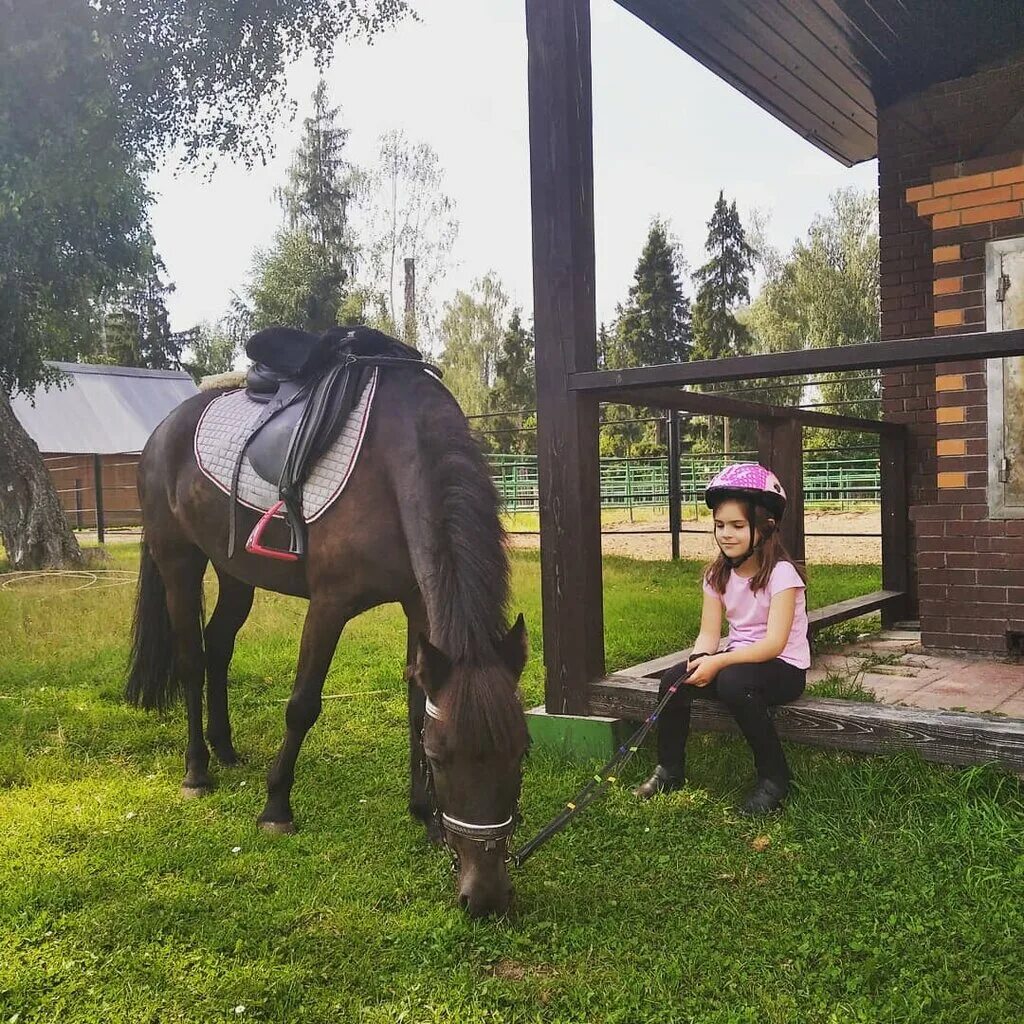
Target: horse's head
(474, 739)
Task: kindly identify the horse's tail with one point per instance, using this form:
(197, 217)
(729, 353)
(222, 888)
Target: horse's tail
(152, 679)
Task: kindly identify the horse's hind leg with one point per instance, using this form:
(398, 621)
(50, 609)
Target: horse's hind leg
(420, 805)
(234, 601)
(182, 570)
(325, 620)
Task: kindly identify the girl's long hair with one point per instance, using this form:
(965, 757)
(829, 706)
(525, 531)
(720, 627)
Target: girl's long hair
(771, 551)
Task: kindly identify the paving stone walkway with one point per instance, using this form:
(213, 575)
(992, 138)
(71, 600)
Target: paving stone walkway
(895, 668)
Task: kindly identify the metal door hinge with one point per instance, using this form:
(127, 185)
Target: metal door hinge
(1004, 470)
(1002, 287)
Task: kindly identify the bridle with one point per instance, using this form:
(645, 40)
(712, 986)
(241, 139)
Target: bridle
(489, 835)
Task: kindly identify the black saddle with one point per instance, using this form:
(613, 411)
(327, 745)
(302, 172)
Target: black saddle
(309, 385)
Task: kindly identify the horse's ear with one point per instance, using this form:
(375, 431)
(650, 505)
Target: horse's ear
(432, 667)
(514, 648)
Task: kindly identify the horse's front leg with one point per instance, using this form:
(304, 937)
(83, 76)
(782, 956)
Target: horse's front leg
(325, 620)
(421, 805)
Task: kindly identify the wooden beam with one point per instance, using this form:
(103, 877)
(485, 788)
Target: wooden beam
(780, 445)
(565, 325)
(895, 494)
(852, 608)
(875, 355)
(949, 737)
(726, 405)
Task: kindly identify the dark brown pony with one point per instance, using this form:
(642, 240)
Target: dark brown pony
(417, 524)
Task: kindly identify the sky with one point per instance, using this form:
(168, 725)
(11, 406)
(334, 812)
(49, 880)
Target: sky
(668, 135)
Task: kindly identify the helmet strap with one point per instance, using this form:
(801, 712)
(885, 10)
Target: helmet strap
(735, 563)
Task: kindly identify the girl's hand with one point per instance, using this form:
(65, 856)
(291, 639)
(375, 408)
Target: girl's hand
(706, 670)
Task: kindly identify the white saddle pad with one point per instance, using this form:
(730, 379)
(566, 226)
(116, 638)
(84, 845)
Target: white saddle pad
(226, 424)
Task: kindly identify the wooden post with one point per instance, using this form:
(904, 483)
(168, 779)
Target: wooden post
(896, 567)
(565, 325)
(409, 327)
(97, 484)
(780, 445)
(674, 500)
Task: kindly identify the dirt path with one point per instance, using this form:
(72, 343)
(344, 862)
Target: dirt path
(838, 548)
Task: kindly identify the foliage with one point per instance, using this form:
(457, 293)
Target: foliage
(472, 328)
(294, 282)
(652, 327)
(72, 203)
(888, 891)
(515, 390)
(724, 283)
(211, 348)
(825, 294)
(91, 96)
(135, 327)
(408, 216)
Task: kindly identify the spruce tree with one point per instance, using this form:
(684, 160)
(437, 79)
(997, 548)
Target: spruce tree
(724, 282)
(515, 389)
(654, 325)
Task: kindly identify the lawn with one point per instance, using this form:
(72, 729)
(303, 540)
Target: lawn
(891, 890)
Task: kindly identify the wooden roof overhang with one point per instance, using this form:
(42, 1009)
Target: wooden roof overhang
(825, 67)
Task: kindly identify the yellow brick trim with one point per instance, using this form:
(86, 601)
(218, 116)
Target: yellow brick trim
(919, 192)
(986, 195)
(958, 480)
(929, 206)
(1008, 176)
(980, 214)
(946, 220)
(953, 414)
(949, 317)
(950, 382)
(945, 253)
(951, 447)
(947, 285)
(968, 184)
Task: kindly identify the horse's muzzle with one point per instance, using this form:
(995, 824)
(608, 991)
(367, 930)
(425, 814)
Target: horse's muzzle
(482, 896)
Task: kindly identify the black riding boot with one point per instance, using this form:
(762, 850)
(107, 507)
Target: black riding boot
(661, 781)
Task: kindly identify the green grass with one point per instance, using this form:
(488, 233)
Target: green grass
(890, 890)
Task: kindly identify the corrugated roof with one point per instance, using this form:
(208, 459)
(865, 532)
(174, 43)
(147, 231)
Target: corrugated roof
(101, 410)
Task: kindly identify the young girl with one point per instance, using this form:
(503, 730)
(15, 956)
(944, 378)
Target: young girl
(766, 659)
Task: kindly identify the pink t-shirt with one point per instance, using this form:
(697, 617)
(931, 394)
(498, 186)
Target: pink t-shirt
(747, 612)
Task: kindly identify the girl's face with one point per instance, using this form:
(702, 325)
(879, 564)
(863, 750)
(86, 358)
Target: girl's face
(732, 530)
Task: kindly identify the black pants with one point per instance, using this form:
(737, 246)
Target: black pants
(747, 690)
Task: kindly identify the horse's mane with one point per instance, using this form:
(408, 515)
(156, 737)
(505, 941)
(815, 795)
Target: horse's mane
(471, 589)
(470, 594)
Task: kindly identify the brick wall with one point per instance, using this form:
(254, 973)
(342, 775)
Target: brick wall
(939, 204)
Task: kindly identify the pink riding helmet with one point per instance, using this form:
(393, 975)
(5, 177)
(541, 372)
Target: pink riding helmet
(749, 481)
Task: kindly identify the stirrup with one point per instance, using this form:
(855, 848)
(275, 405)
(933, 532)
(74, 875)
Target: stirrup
(254, 544)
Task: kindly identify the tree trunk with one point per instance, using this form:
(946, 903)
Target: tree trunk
(33, 527)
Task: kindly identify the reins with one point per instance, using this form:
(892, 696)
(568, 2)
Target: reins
(599, 784)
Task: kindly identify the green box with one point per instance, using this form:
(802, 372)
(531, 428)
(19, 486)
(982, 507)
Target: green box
(579, 736)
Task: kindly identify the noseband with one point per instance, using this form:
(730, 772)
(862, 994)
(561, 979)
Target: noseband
(489, 835)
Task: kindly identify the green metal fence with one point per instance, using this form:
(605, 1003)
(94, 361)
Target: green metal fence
(639, 483)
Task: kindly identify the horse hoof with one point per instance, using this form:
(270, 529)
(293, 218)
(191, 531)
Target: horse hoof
(277, 828)
(195, 792)
(228, 758)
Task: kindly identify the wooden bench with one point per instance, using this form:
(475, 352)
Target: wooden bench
(948, 737)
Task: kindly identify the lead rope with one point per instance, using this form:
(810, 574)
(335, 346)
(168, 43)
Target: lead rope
(599, 784)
